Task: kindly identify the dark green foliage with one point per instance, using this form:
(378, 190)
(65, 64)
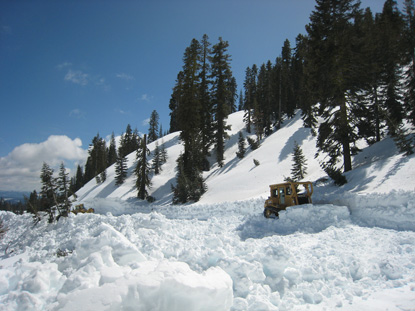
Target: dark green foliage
(142, 170)
(253, 143)
(78, 180)
(157, 161)
(332, 72)
(120, 170)
(47, 193)
(222, 95)
(409, 50)
(336, 175)
(54, 196)
(299, 169)
(96, 163)
(130, 142)
(153, 127)
(190, 185)
(256, 162)
(64, 202)
(112, 151)
(241, 146)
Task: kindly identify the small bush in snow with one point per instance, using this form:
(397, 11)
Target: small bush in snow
(256, 162)
(335, 174)
(254, 144)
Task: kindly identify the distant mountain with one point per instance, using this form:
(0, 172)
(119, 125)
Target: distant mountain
(13, 196)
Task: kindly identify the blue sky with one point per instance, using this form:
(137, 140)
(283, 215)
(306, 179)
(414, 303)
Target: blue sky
(71, 69)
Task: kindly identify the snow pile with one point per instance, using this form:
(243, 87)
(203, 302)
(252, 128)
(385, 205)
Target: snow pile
(304, 218)
(84, 263)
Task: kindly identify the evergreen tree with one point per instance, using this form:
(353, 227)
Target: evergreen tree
(64, 202)
(299, 169)
(189, 115)
(174, 103)
(153, 127)
(241, 146)
(163, 153)
(250, 95)
(206, 126)
(391, 25)
(221, 94)
(96, 164)
(287, 88)
(79, 179)
(189, 187)
(48, 195)
(142, 170)
(157, 161)
(331, 70)
(302, 96)
(409, 48)
(120, 169)
(112, 151)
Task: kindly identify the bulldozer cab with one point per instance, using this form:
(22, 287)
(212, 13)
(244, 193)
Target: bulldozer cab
(285, 195)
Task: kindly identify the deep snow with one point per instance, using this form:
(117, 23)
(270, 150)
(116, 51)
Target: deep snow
(352, 249)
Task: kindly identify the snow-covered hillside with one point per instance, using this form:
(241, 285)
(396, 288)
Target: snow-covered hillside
(353, 249)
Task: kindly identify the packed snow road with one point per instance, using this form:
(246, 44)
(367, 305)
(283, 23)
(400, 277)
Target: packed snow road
(206, 257)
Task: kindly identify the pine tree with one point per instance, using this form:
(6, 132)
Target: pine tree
(206, 126)
(250, 95)
(221, 94)
(174, 103)
(189, 116)
(64, 202)
(163, 153)
(331, 71)
(241, 146)
(48, 196)
(142, 170)
(409, 47)
(299, 169)
(97, 163)
(157, 161)
(79, 179)
(120, 169)
(112, 151)
(391, 25)
(153, 127)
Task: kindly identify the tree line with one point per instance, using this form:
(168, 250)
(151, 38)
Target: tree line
(57, 193)
(352, 75)
(203, 96)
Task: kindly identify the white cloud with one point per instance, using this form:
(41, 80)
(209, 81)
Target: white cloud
(146, 98)
(77, 113)
(63, 65)
(124, 76)
(145, 122)
(77, 77)
(20, 169)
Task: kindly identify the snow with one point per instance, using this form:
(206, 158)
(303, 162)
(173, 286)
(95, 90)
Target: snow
(352, 249)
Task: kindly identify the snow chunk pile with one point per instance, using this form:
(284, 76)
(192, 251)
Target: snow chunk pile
(205, 257)
(304, 218)
(84, 263)
(394, 210)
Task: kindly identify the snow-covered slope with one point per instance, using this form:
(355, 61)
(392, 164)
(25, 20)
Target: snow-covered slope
(353, 249)
(377, 169)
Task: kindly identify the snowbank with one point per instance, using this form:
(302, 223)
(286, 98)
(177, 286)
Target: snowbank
(84, 263)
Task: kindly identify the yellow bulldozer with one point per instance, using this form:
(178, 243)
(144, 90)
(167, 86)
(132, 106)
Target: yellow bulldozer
(285, 195)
